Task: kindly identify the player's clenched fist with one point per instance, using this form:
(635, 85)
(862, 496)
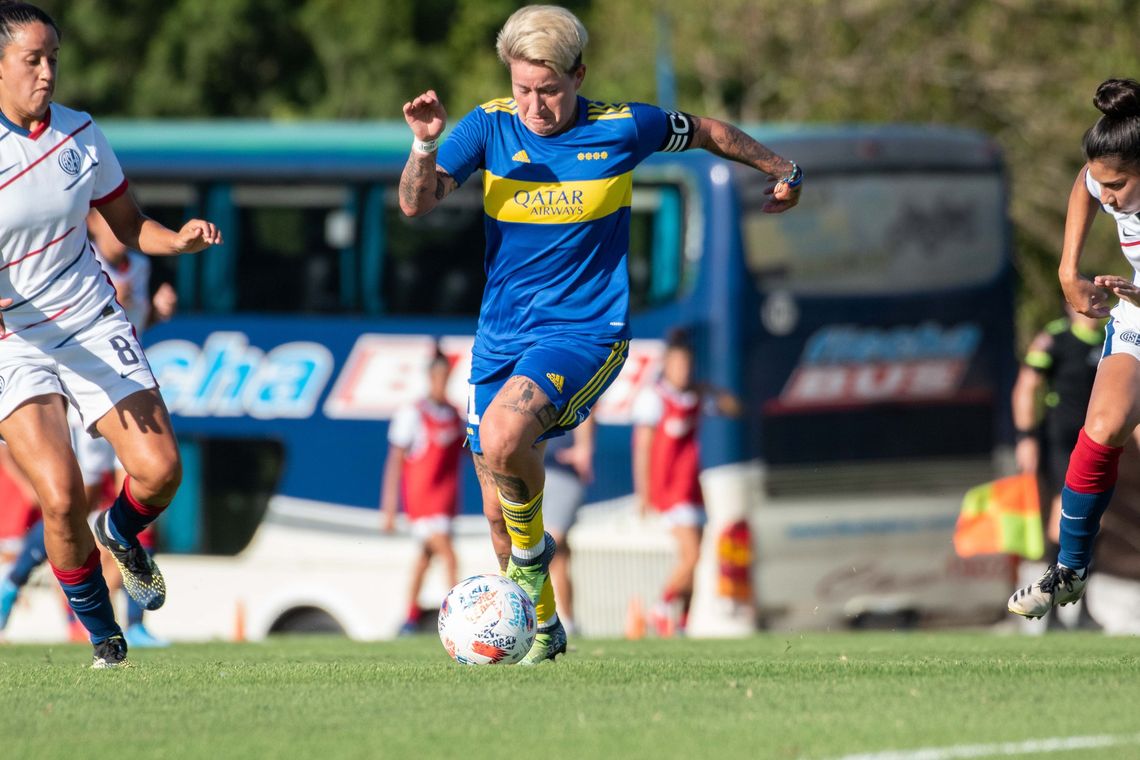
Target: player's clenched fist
(197, 235)
(426, 117)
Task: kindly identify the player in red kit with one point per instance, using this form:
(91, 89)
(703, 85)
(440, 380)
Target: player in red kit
(667, 466)
(425, 444)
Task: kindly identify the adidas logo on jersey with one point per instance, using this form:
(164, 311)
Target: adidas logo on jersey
(558, 380)
(521, 157)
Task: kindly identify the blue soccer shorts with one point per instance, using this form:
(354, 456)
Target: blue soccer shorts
(571, 371)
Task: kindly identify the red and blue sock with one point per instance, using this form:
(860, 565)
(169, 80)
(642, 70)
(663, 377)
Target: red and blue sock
(88, 597)
(129, 517)
(1089, 484)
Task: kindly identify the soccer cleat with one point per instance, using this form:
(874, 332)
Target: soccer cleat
(141, 577)
(111, 653)
(408, 629)
(8, 593)
(533, 577)
(1058, 586)
(138, 636)
(547, 645)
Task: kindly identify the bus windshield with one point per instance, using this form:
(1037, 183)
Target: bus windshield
(872, 233)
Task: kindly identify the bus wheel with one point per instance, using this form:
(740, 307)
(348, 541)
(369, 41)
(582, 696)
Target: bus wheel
(306, 620)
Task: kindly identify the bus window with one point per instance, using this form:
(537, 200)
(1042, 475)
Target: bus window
(879, 232)
(433, 264)
(657, 269)
(290, 241)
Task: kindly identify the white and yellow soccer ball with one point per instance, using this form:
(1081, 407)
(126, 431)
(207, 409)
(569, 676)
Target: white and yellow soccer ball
(487, 620)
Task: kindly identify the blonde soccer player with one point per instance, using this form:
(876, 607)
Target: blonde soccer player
(554, 325)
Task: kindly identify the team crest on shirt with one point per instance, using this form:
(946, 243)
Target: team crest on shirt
(1130, 336)
(69, 161)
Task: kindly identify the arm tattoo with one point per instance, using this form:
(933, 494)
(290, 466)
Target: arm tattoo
(419, 178)
(727, 141)
(444, 184)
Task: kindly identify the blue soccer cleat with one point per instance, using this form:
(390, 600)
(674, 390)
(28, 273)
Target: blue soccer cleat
(8, 593)
(138, 636)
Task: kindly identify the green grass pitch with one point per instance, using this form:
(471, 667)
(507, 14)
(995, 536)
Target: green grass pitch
(772, 696)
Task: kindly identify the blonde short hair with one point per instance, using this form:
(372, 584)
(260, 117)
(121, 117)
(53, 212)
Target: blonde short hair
(545, 34)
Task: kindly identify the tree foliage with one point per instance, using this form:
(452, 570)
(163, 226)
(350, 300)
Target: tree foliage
(1022, 71)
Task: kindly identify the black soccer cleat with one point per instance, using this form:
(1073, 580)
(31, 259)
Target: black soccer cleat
(111, 653)
(141, 577)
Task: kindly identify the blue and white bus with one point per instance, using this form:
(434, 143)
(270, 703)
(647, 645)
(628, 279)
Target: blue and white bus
(869, 333)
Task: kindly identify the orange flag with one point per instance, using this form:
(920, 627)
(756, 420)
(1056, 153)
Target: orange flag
(1002, 517)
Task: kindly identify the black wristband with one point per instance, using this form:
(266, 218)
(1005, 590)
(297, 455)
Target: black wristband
(1021, 435)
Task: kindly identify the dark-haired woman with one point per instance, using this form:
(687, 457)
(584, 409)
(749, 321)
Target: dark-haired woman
(1110, 179)
(65, 340)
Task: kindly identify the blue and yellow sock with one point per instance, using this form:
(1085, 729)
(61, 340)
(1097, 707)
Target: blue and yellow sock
(524, 526)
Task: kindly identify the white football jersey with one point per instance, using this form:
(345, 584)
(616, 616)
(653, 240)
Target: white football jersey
(49, 180)
(1128, 229)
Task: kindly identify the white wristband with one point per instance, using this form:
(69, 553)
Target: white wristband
(425, 146)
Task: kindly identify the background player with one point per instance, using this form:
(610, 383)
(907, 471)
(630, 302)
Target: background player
(425, 441)
(667, 468)
(1110, 180)
(66, 340)
(569, 462)
(1049, 402)
(554, 324)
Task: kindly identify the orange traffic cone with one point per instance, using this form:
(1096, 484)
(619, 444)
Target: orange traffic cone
(239, 621)
(635, 620)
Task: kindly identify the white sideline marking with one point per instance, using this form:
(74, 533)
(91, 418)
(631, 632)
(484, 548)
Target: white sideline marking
(1056, 744)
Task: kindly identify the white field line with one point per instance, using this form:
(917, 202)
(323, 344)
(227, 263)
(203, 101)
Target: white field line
(1005, 749)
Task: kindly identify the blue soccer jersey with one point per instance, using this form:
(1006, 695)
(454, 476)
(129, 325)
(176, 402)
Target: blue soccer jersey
(557, 213)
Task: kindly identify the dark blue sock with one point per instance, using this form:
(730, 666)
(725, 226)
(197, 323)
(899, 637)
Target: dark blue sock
(89, 599)
(1080, 522)
(31, 556)
(128, 517)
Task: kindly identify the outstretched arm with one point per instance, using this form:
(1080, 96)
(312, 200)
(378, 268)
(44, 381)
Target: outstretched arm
(423, 185)
(730, 142)
(136, 230)
(1081, 293)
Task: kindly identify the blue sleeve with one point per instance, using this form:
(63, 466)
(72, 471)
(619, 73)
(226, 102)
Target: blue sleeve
(660, 130)
(465, 148)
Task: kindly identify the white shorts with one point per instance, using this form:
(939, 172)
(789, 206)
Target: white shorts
(95, 456)
(94, 369)
(424, 528)
(684, 515)
(1121, 337)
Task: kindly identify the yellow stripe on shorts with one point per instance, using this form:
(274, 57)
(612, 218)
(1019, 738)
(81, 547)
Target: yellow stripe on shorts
(578, 400)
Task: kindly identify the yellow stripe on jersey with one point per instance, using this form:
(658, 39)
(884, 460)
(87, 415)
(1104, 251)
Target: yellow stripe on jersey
(579, 399)
(584, 200)
(505, 105)
(606, 111)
